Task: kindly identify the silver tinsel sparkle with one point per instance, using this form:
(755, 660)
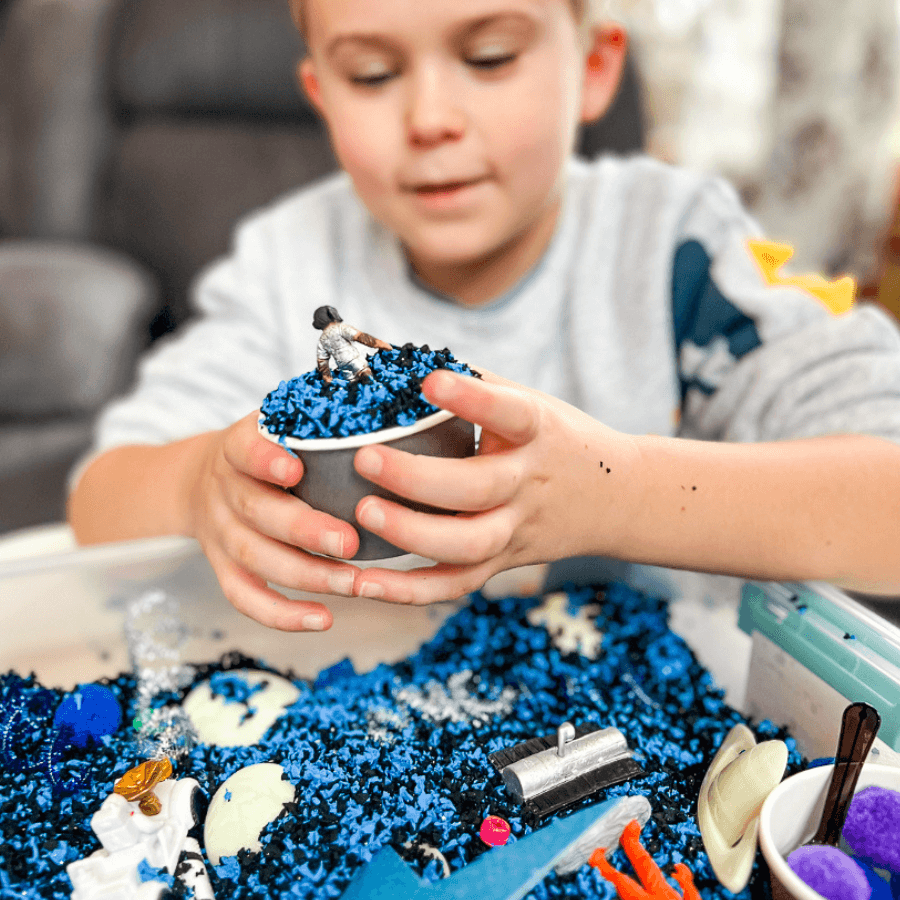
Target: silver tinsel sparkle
(156, 635)
(385, 725)
(455, 702)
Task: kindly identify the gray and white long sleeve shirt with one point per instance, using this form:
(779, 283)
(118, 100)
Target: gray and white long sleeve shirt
(647, 311)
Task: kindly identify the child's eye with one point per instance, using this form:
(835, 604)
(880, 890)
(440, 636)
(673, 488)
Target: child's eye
(491, 62)
(371, 72)
(372, 80)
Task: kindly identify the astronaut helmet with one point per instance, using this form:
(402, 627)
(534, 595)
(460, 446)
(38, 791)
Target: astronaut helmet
(324, 316)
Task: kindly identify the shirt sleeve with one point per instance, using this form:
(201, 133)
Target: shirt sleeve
(217, 368)
(763, 362)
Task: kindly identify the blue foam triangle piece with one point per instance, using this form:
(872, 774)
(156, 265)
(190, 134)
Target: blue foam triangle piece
(510, 872)
(505, 873)
(386, 877)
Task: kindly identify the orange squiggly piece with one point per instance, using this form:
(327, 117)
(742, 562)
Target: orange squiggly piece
(653, 884)
(682, 874)
(627, 888)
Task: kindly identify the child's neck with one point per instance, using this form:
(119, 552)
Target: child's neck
(481, 281)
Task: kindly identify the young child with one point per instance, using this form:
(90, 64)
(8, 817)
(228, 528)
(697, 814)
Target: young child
(664, 403)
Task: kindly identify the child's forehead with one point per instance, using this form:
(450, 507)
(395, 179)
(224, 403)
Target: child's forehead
(375, 14)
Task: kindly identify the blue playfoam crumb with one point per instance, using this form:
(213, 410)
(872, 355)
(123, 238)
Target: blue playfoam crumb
(146, 872)
(399, 756)
(233, 688)
(308, 407)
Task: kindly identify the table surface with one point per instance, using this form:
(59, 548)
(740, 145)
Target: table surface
(62, 613)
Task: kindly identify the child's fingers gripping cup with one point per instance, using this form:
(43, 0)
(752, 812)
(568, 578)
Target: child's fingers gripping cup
(326, 421)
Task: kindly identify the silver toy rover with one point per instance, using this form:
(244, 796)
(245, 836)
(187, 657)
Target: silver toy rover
(549, 773)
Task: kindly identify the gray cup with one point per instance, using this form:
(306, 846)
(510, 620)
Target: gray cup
(332, 485)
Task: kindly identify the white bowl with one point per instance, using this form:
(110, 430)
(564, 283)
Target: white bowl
(332, 485)
(790, 817)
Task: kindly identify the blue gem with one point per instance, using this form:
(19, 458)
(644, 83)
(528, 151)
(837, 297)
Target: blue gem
(89, 713)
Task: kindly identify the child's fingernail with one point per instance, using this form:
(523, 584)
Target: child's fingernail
(314, 622)
(341, 583)
(371, 516)
(369, 589)
(368, 462)
(279, 468)
(333, 543)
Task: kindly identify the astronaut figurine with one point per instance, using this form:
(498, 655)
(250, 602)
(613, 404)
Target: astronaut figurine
(337, 342)
(144, 821)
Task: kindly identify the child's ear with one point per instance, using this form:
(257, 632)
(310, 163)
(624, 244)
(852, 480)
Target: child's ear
(604, 62)
(296, 15)
(306, 76)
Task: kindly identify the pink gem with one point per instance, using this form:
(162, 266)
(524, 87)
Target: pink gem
(494, 831)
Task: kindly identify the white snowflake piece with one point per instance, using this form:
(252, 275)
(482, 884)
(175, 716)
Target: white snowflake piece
(570, 633)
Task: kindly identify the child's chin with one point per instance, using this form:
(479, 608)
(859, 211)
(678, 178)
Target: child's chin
(453, 246)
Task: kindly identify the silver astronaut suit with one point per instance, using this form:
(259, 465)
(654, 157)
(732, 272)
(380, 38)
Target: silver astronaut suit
(338, 343)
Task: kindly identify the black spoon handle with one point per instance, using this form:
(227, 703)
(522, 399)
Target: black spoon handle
(858, 729)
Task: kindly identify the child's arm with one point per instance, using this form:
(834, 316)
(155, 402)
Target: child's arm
(551, 482)
(223, 488)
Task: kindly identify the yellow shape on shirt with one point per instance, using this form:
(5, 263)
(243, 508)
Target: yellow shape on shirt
(837, 295)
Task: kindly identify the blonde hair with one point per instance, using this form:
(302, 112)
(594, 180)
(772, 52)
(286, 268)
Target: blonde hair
(588, 12)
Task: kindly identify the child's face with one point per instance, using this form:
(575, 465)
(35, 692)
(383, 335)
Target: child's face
(453, 118)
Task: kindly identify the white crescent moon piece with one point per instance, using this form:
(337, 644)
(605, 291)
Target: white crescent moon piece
(242, 807)
(229, 722)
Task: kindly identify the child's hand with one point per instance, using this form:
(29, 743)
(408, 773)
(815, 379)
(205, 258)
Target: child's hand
(253, 532)
(546, 474)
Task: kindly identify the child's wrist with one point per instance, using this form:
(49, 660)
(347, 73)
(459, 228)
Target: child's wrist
(606, 487)
(192, 460)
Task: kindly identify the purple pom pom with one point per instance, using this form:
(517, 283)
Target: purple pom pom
(830, 872)
(872, 828)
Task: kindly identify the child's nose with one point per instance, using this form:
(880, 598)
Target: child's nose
(435, 112)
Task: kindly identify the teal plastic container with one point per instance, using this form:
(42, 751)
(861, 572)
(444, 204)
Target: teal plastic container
(846, 645)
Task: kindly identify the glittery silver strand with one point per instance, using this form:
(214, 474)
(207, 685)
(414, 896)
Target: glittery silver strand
(455, 702)
(154, 629)
(385, 725)
(637, 689)
(166, 731)
(156, 635)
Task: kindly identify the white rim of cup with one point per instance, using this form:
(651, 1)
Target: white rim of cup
(382, 436)
(777, 861)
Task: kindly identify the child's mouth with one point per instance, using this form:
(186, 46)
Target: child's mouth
(445, 187)
(448, 193)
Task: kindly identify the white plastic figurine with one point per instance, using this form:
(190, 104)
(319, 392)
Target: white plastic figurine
(337, 343)
(151, 827)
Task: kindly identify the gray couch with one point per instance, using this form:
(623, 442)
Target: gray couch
(133, 133)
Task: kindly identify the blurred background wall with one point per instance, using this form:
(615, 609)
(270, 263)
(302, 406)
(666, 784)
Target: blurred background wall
(133, 133)
(797, 102)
